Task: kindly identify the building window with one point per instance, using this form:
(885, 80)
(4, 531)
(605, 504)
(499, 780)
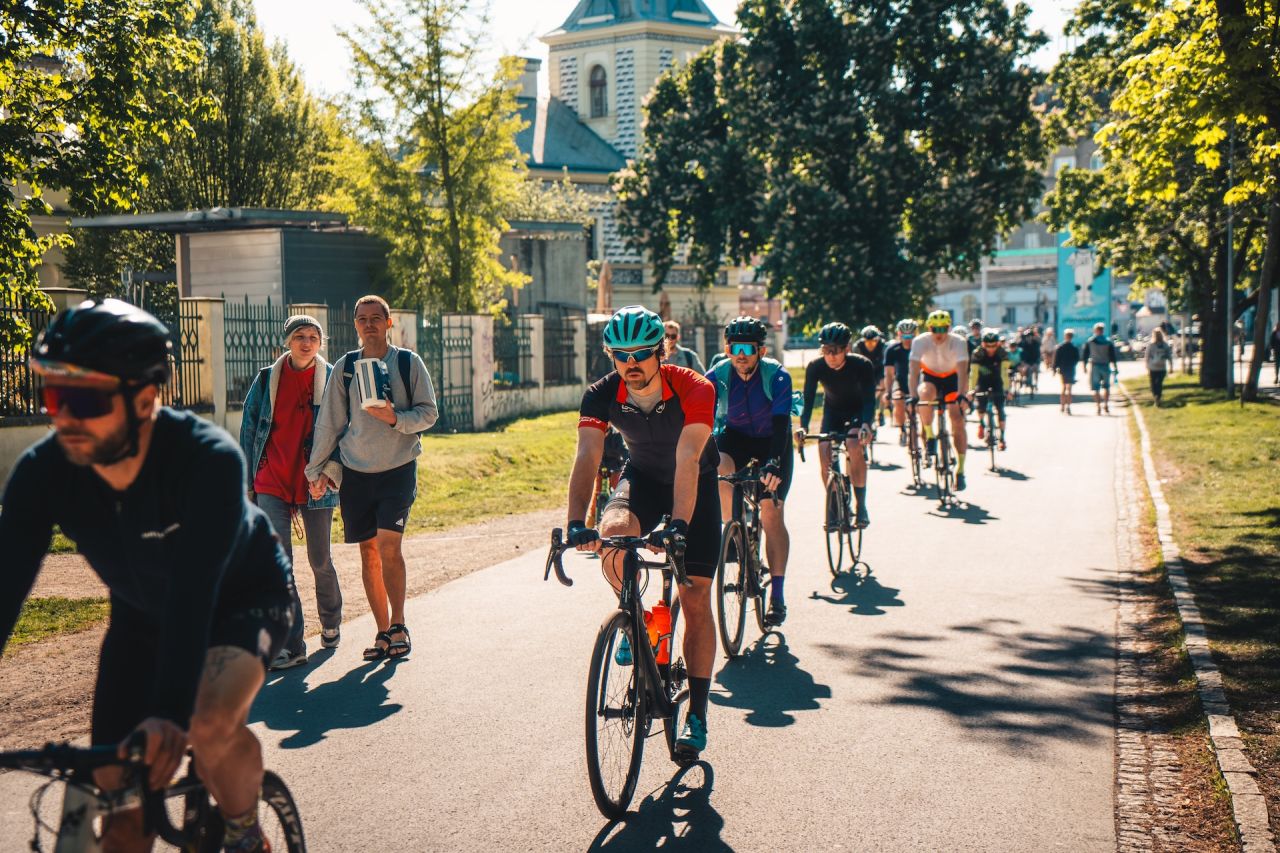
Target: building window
(1059, 163)
(599, 92)
(1031, 241)
(1010, 317)
(1095, 162)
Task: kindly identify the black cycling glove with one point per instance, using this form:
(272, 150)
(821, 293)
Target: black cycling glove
(675, 533)
(772, 469)
(580, 534)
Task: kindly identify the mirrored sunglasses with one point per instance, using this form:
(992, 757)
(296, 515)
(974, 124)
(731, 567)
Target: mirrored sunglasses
(673, 337)
(636, 355)
(830, 350)
(743, 349)
(81, 403)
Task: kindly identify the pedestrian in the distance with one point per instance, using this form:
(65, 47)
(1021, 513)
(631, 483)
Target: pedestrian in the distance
(1048, 343)
(1065, 358)
(1101, 350)
(1275, 351)
(678, 355)
(1159, 357)
(373, 422)
(275, 434)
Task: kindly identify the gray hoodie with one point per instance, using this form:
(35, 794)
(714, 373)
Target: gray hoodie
(365, 443)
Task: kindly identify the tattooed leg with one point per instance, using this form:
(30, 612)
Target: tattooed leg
(228, 756)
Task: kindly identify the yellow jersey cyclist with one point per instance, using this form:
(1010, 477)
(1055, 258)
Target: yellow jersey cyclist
(942, 360)
(897, 370)
(753, 421)
(665, 415)
(848, 383)
(986, 373)
(201, 591)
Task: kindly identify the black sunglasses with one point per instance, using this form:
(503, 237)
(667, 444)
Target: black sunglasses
(82, 403)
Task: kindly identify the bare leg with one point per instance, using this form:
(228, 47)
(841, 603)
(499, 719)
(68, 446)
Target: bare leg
(391, 553)
(375, 588)
(777, 542)
(228, 756)
(700, 628)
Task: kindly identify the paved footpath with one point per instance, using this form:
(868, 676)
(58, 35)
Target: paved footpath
(961, 698)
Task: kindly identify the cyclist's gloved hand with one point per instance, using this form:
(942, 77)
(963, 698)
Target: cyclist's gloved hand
(771, 475)
(580, 534)
(675, 533)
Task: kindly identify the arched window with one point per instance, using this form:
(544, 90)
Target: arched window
(599, 92)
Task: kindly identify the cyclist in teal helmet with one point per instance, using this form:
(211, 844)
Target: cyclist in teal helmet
(665, 414)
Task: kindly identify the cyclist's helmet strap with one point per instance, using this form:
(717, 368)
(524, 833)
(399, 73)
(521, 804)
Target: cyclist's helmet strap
(633, 326)
(835, 334)
(745, 330)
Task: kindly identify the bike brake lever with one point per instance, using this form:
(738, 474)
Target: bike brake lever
(555, 558)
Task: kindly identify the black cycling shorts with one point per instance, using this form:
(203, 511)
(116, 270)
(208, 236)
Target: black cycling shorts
(742, 448)
(379, 501)
(649, 500)
(834, 420)
(948, 386)
(995, 396)
(128, 662)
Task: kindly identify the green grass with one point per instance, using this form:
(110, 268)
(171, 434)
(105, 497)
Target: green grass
(46, 617)
(1220, 467)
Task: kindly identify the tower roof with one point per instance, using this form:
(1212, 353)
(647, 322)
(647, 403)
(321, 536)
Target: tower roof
(591, 14)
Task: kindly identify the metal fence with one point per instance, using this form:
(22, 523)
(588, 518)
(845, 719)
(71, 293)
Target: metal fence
(19, 390)
(559, 360)
(253, 342)
(704, 340)
(184, 391)
(512, 355)
(445, 346)
(598, 361)
(341, 337)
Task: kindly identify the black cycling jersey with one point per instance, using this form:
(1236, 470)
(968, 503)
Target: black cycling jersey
(651, 439)
(898, 356)
(849, 392)
(990, 367)
(875, 356)
(179, 546)
(1030, 349)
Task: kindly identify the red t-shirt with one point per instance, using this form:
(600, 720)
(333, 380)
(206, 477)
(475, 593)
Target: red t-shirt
(280, 472)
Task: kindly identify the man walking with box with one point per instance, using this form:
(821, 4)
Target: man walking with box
(377, 400)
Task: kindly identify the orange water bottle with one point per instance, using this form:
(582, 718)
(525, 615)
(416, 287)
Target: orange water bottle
(660, 631)
(651, 624)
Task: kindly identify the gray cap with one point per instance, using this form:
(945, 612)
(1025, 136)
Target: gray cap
(297, 321)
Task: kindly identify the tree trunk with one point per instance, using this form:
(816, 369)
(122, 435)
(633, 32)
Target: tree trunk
(1214, 325)
(1262, 316)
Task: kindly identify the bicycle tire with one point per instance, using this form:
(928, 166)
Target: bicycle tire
(677, 689)
(942, 467)
(731, 592)
(761, 586)
(855, 546)
(623, 736)
(278, 819)
(835, 508)
(913, 450)
(991, 433)
(284, 829)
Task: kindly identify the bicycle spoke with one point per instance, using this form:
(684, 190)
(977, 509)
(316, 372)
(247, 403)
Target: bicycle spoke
(615, 721)
(731, 592)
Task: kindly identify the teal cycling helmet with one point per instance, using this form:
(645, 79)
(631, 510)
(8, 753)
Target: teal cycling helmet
(746, 330)
(633, 326)
(835, 334)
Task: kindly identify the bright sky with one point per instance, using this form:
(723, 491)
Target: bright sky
(309, 29)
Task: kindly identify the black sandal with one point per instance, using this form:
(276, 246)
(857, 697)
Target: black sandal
(377, 652)
(398, 648)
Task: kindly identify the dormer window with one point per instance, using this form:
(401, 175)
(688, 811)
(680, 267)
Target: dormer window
(599, 92)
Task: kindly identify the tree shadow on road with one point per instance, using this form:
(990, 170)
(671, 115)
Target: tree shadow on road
(768, 682)
(677, 816)
(356, 700)
(862, 594)
(1012, 692)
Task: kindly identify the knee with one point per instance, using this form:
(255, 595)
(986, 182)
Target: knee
(212, 732)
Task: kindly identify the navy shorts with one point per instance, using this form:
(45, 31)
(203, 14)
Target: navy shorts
(649, 500)
(379, 501)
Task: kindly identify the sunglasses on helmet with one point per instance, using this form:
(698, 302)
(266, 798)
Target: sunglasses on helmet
(81, 403)
(739, 348)
(636, 355)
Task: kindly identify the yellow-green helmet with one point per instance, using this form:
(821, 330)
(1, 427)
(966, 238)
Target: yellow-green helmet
(938, 321)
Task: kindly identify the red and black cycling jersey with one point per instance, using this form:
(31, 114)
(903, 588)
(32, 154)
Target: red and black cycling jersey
(687, 398)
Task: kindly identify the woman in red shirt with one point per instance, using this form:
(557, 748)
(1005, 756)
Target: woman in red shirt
(275, 435)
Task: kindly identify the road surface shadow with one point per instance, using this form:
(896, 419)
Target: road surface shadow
(768, 683)
(862, 594)
(677, 816)
(969, 513)
(1010, 474)
(355, 701)
(1012, 692)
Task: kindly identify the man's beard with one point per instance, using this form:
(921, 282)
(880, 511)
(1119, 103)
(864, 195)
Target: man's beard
(104, 452)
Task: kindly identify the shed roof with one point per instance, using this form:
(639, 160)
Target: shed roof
(554, 138)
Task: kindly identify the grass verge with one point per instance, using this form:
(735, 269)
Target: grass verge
(46, 617)
(1218, 462)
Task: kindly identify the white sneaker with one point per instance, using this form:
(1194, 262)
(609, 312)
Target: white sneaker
(287, 659)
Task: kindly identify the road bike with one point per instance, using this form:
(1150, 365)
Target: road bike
(913, 446)
(842, 530)
(944, 463)
(624, 699)
(740, 545)
(182, 814)
(983, 402)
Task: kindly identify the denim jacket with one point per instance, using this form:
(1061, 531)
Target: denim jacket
(255, 423)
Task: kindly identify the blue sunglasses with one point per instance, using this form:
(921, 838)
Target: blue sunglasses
(636, 355)
(742, 349)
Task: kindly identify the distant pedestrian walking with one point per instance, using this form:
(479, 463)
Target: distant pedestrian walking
(275, 434)
(1065, 358)
(1101, 350)
(1159, 357)
(678, 355)
(379, 400)
(1275, 351)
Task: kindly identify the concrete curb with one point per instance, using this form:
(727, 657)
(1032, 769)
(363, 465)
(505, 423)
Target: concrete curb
(1248, 807)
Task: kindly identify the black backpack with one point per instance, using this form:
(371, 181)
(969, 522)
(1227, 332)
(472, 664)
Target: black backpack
(404, 361)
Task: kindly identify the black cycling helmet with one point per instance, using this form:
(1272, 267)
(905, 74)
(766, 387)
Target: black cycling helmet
(746, 330)
(835, 334)
(105, 339)
(870, 333)
(991, 336)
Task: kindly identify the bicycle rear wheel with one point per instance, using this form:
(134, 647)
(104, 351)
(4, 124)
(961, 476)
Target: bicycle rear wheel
(616, 724)
(837, 512)
(731, 589)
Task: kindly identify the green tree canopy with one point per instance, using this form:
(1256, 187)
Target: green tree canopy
(857, 149)
(77, 103)
(436, 167)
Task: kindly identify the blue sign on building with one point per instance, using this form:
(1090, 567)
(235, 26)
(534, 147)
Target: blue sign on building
(1084, 291)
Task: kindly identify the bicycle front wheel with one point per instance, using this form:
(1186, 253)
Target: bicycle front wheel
(202, 824)
(761, 586)
(837, 520)
(676, 673)
(281, 825)
(616, 724)
(942, 468)
(992, 441)
(731, 588)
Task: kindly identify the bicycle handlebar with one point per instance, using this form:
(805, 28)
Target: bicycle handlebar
(674, 555)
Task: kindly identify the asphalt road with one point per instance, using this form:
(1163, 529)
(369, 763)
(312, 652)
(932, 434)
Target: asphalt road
(959, 698)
